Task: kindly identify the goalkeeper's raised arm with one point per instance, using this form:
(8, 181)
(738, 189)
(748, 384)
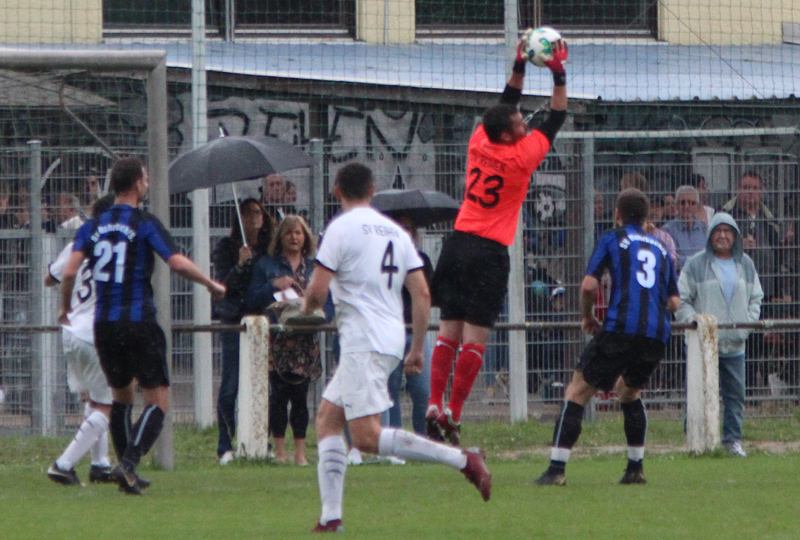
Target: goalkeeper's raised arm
(558, 102)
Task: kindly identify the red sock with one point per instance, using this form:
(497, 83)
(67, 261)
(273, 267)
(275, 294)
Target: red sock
(441, 365)
(467, 367)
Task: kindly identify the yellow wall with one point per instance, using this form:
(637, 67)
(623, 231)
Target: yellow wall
(738, 22)
(51, 21)
(399, 17)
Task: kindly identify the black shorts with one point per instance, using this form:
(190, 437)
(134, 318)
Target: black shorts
(611, 354)
(471, 279)
(129, 350)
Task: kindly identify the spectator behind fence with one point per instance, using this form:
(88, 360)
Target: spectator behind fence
(761, 233)
(722, 281)
(704, 212)
(273, 195)
(686, 230)
(233, 266)
(294, 359)
(66, 211)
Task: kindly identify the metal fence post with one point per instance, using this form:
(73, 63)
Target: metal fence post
(587, 153)
(702, 385)
(48, 366)
(201, 301)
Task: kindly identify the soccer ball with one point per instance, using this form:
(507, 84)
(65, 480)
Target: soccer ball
(538, 44)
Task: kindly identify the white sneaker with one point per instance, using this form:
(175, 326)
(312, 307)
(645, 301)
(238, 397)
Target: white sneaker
(734, 448)
(354, 457)
(227, 457)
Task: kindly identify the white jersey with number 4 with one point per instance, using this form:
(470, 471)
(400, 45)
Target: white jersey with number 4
(81, 318)
(370, 255)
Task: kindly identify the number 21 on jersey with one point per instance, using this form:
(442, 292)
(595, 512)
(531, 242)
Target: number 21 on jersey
(110, 257)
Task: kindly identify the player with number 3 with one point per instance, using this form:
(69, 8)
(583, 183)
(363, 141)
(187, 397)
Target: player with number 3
(627, 350)
(471, 277)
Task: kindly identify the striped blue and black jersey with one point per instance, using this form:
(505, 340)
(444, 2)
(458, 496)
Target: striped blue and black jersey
(642, 278)
(121, 246)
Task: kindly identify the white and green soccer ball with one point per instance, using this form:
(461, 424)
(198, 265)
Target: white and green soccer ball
(538, 44)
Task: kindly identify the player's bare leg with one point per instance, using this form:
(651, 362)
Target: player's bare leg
(468, 365)
(635, 431)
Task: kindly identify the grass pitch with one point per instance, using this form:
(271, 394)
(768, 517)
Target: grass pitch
(708, 497)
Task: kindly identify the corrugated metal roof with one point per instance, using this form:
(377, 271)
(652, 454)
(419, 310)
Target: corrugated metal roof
(642, 71)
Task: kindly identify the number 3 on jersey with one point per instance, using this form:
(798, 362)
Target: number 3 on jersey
(647, 275)
(105, 251)
(387, 263)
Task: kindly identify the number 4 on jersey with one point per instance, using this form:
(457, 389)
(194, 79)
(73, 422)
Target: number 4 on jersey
(387, 263)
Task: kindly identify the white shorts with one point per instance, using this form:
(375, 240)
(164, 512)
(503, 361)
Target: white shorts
(360, 384)
(84, 373)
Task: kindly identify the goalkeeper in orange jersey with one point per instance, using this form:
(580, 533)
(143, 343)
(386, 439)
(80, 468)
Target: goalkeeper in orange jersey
(471, 277)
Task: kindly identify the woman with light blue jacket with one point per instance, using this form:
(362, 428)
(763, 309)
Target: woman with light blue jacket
(722, 281)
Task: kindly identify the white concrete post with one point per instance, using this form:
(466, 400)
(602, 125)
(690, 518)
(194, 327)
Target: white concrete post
(253, 437)
(702, 386)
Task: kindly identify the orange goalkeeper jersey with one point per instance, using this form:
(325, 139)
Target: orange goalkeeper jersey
(498, 176)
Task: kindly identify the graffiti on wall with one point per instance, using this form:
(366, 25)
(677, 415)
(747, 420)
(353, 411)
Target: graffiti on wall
(398, 146)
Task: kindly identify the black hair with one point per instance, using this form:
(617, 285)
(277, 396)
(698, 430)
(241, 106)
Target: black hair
(633, 206)
(354, 180)
(125, 173)
(102, 205)
(497, 120)
(264, 233)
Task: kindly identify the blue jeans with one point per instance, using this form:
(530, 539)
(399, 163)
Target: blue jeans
(731, 388)
(228, 390)
(419, 388)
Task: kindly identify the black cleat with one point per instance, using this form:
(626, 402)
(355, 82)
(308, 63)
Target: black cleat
(450, 429)
(551, 478)
(432, 428)
(124, 475)
(60, 476)
(100, 474)
(635, 476)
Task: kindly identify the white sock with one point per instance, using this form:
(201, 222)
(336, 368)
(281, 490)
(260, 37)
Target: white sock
(94, 427)
(560, 454)
(405, 445)
(100, 451)
(332, 466)
(636, 453)
(100, 448)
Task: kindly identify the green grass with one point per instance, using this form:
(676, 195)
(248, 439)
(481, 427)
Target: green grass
(706, 497)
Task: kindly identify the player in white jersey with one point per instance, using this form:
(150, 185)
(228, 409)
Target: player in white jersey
(365, 259)
(84, 374)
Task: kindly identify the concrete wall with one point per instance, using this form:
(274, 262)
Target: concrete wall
(736, 22)
(51, 21)
(385, 21)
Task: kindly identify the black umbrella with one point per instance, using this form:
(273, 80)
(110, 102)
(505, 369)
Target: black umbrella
(231, 159)
(423, 207)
